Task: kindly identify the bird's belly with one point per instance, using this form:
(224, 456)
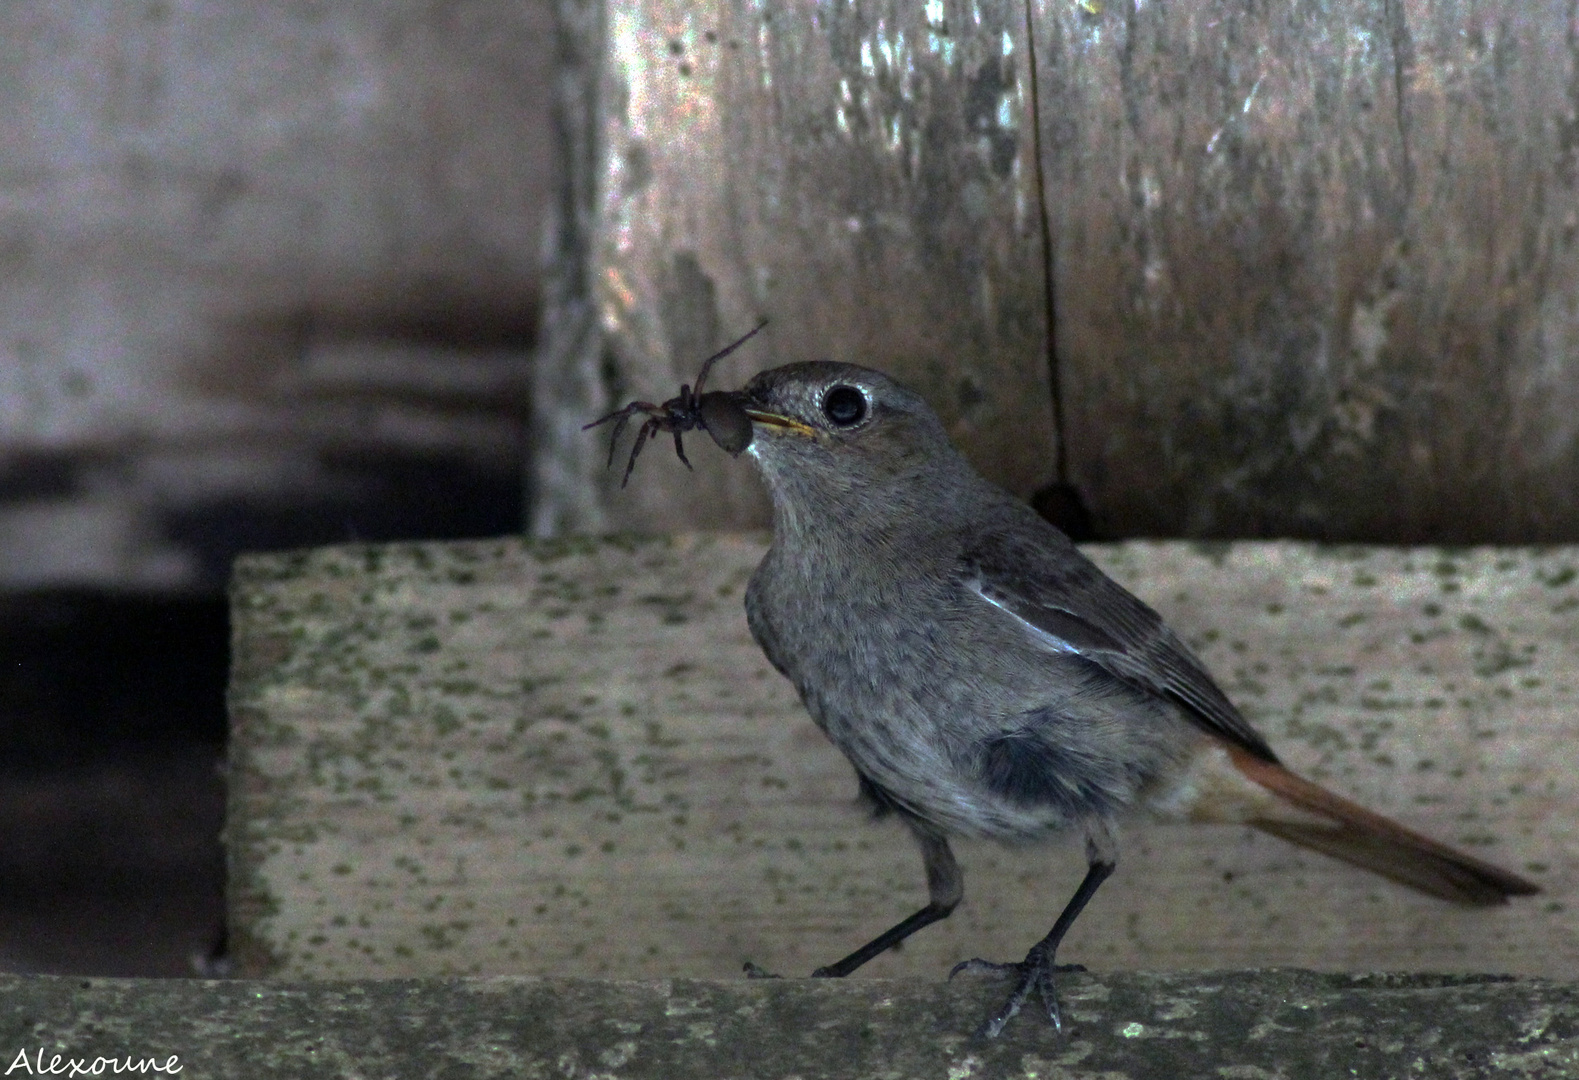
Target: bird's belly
(978, 765)
(958, 721)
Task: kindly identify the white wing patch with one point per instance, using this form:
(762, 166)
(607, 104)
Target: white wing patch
(1048, 641)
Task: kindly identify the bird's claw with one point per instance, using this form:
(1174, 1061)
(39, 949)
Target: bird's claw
(1034, 973)
(976, 965)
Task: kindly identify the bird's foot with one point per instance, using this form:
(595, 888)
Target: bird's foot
(1036, 973)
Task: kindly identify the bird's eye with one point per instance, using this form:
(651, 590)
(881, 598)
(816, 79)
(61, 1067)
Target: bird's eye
(844, 406)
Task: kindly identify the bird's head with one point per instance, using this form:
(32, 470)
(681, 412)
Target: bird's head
(835, 435)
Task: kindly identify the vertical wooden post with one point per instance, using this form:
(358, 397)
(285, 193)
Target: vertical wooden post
(862, 175)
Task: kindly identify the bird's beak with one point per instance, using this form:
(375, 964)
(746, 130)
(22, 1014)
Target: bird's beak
(779, 420)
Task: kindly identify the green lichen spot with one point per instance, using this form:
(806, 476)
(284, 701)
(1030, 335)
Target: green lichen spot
(1559, 577)
(1474, 624)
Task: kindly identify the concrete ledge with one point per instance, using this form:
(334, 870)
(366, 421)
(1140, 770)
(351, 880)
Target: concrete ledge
(1138, 1024)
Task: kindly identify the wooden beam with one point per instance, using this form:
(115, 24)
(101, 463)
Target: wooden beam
(864, 175)
(569, 758)
(1312, 266)
(1299, 269)
(1286, 1023)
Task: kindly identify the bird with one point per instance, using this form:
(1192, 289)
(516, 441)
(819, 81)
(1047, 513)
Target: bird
(986, 679)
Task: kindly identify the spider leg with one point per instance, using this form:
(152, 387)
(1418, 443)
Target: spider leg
(647, 429)
(621, 417)
(679, 448)
(614, 439)
(707, 364)
(622, 414)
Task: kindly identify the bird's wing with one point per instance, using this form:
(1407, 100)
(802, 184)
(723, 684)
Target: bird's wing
(1068, 605)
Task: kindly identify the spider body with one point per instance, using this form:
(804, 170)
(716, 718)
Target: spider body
(716, 412)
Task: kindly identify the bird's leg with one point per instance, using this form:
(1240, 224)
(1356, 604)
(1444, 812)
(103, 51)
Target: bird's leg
(945, 889)
(1037, 969)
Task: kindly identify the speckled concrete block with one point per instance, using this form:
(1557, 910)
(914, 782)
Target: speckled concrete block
(569, 758)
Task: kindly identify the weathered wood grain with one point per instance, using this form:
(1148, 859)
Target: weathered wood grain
(569, 758)
(1314, 266)
(862, 174)
(269, 274)
(1265, 1023)
(1310, 268)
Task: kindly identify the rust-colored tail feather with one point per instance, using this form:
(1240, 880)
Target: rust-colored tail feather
(1369, 840)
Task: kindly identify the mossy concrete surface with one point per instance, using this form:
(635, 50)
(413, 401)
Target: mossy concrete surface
(1253, 1025)
(570, 759)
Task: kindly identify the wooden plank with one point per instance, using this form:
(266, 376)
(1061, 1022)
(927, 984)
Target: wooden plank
(1273, 1023)
(1314, 268)
(569, 758)
(863, 175)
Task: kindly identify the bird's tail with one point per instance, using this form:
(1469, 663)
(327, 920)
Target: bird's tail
(1335, 826)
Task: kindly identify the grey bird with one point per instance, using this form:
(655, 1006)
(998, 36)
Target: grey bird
(986, 679)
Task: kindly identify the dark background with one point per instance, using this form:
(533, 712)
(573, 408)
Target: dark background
(113, 714)
(112, 754)
(268, 279)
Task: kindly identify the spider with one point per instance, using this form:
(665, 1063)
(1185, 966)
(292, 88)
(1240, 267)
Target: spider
(717, 412)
